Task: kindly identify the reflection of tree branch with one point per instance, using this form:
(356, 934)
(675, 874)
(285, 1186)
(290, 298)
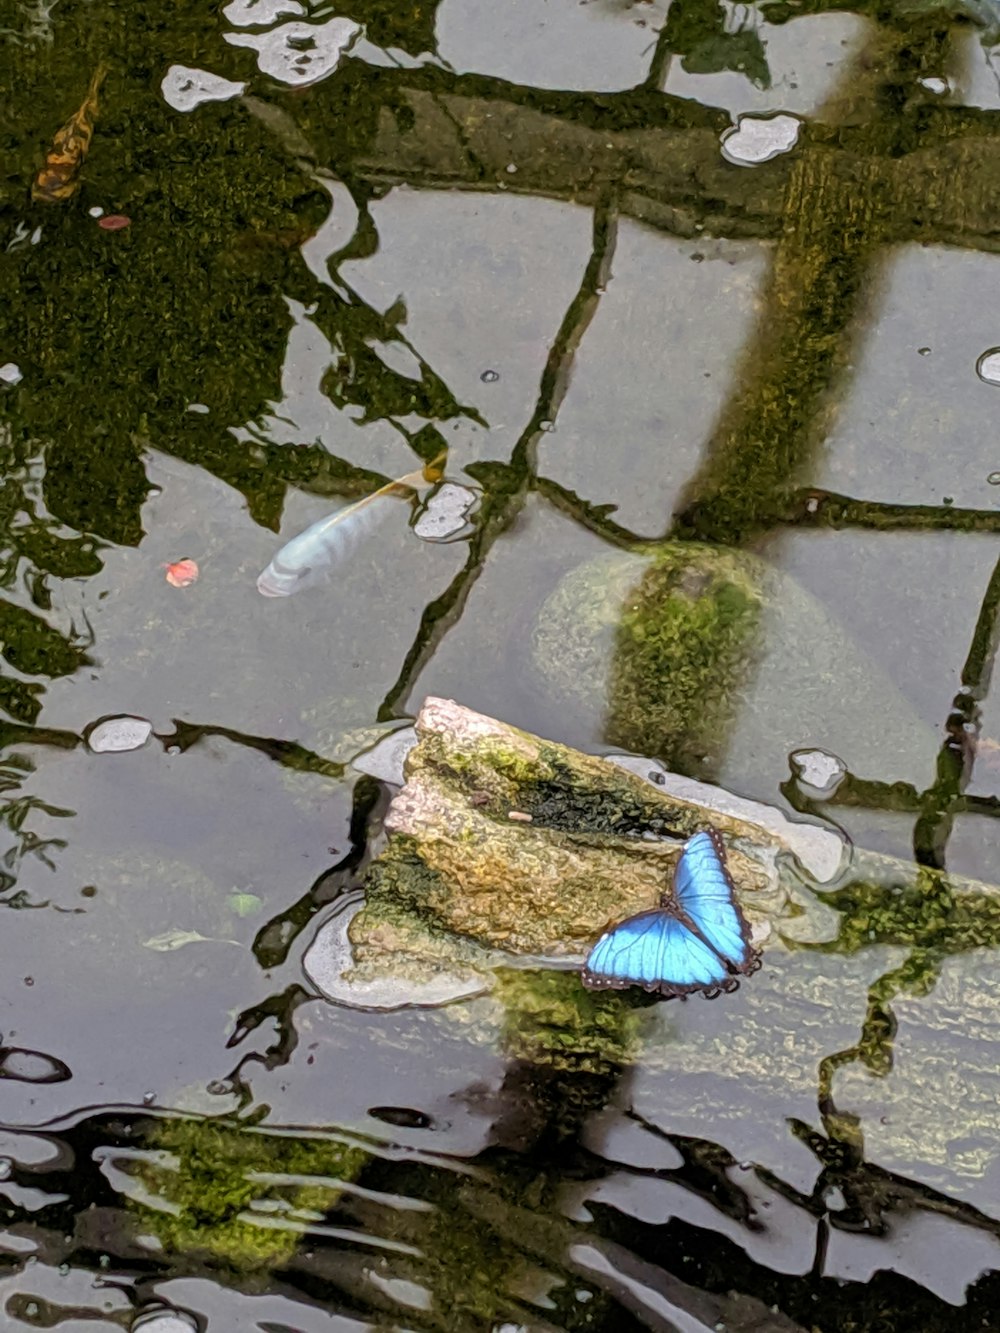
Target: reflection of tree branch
(978, 805)
(288, 753)
(870, 1192)
(833, 232)
(815, 508)
(954, 764)
(659, 66)
(506, 496)
(596, 518)
(666, 151)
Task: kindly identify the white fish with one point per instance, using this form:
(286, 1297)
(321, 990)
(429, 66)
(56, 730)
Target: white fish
(301, 562)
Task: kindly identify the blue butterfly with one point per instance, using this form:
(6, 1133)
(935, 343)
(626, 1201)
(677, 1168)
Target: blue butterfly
(696, 940)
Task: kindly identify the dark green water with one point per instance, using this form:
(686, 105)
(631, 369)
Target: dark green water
(507, 229)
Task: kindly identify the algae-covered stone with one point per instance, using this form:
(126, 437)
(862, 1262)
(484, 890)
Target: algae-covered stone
(211, 1188)
(464, 889)
(592, 842)
(665, 645)
(717, 663)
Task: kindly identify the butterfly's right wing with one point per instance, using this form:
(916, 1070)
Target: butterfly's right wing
(703, 891)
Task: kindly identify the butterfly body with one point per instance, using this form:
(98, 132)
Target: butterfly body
(696, 940)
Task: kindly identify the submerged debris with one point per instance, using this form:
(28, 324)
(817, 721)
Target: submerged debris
(176, 939)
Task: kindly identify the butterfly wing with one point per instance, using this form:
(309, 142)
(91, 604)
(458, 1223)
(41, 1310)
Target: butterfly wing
(656, 951)
(703, 893)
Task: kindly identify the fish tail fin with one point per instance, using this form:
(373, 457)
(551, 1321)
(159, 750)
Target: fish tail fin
(434, 470)
(99, 75)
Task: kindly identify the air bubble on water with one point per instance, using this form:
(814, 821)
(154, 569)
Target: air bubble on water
(994, 478)
(818, 770)
(923, 351)
(988, 366)
(163, 1319)
(490, 376)
(26, 1066)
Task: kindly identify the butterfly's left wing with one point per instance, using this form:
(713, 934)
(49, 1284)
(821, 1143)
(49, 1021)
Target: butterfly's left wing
(703, 891)
(656, 951)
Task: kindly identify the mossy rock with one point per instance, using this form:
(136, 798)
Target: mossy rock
(716, 663)
(212, 1187)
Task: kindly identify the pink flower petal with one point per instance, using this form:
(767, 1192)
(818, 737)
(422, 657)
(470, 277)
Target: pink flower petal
(181, 573)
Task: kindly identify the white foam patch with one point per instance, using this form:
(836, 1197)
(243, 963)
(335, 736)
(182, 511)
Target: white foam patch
(756, 139)
(300, 54)
(445, 514)
(251, 13)
(818, 769)
(115, 734)
(184, 88)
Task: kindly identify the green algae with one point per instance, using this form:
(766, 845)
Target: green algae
(214, 1174)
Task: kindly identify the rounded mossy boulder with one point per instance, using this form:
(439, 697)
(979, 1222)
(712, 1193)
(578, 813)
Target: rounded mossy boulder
(667, 642)
(717, 663)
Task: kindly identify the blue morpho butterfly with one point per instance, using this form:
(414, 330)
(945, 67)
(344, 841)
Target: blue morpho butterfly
(696, 940)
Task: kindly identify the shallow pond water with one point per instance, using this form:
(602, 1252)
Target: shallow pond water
(654, 273)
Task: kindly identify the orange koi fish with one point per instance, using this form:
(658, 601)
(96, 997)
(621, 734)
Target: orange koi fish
(59, 178)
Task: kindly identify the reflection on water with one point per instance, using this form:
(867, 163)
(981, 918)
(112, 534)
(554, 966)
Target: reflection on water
(696, 297)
